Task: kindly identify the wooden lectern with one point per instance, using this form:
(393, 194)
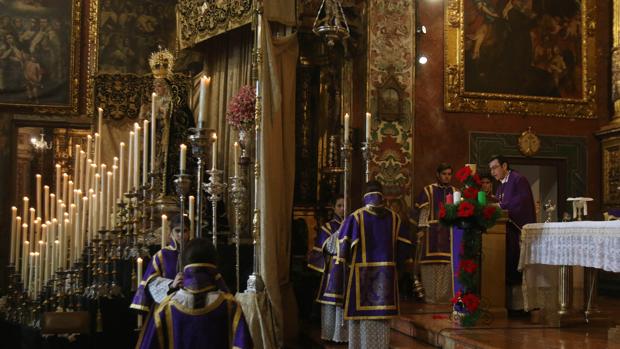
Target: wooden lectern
(493, 269)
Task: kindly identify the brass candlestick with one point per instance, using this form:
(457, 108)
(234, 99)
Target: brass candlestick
(215, 188)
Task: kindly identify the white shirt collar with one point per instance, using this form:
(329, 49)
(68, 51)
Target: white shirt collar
(503, 181)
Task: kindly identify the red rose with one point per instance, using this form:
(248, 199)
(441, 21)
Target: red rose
(462, 174)
(470, 193)
(456, 297)
(471, 302)
(488, 212)
(442, 210)
(468, 265)
(466, 209)
(477, 180)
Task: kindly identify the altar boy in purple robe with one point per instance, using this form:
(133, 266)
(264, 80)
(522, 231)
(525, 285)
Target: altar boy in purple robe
(373, 243)
(202, 314)
(160, 278)
(515, 195)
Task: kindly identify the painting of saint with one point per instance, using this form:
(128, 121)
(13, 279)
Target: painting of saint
(35, 52)
(523, 47)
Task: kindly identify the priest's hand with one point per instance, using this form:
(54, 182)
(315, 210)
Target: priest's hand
(178, 281)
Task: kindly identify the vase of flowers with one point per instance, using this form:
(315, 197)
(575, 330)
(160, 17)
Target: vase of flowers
(472, 215)
(240, 115)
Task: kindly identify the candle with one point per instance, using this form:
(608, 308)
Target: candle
(97, 181)
(89, 140)
(192, 215)
(93, 227)
(76, 163)
(65, 179)
(37, 231)
(136, 156)
(114, 194)
(346, 128)
(18, 239)
(87, 184)
(30, 283)
(64, 243)
(457, 197)
(153, 130)
(183, 158)
(84, 221)
(52, 205)
(102, 172)
(96, 155)
(82, 173)
(368, 126)
(138, 281)
(70, 193)
(100, 120)
(25, 250)
(121, 176)
(130, 162)
(31, 224)
(58, 176)
(25, 207)
(235, 164)
(145, 152)
(214, 152)
(202, 104)
(164, 230)
(101, 222)
(13, 218)
(91, 207)
(449, 199)
(46, 202)
(482, 198)
(48, 245)
(38, 197)
(108, 200)
(56, 255)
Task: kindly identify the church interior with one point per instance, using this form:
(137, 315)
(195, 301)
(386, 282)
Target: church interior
(310, 174)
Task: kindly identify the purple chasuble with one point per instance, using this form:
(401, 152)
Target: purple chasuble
(331, 290)
(163, 264)
(515, 196)
(436, 246)
(373, 242)
(186, 319)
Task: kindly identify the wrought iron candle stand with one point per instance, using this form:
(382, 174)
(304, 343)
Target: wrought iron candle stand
(200, 140)
(182, 183)
(239, 201)
(368, 148)
(215, 187)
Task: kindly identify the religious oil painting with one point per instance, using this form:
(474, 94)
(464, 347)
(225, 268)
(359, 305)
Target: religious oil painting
(130, 30)
(39, 54)
(521, 57)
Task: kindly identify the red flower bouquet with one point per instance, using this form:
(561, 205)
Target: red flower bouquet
(240, 111)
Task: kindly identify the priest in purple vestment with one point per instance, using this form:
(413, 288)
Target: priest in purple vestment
(202, 314)
(322, 258)
(515, 195)
(434, 249)
(373, 243)
(160, 278)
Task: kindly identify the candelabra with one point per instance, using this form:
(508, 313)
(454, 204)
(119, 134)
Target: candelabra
(182, 185)
(239, 201)
(346, 155)
(368, 148)
(215, 188)
(549, 208)
(200, 140)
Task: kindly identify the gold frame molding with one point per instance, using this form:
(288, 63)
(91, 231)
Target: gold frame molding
(73, 79)
(456, 99)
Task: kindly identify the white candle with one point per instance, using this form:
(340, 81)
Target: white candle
(65, 243)
(70, 193)
(108, 200)
(346, 128)
(76, 164)
(457, 197)
(136, 159)
(65, 180)
(139, 271)
(26, 204)
(368, 126)
(48, 254)
(38, 197)
(236, 159)
(101, 219)
(58, 176)
(102, 172)
(25, 250)
(214, 152)
(145, 152)
(97, 152)
(192, 215)
(130, 162)
(93, 217)
(89, 140)
(52, 205)
(30, 284)
(114, 195)
(97, 181)
(82, 173)
(13, 218)
(121, 176)
(87, 180)
(31, 223)
(37, 231)
(100, 120)
(84, 221)
(153, 130)
(16, 242)
(202, 104)
(56, 255)
(46, 202)
(183, 158)
(164, 230)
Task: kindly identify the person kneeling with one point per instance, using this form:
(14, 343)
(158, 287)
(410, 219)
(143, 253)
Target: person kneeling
(202, 314)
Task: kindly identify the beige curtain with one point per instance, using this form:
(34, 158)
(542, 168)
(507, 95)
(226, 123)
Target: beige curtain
(281, 11)
(277, 158)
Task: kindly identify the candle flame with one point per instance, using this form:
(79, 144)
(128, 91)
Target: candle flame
(100, 109)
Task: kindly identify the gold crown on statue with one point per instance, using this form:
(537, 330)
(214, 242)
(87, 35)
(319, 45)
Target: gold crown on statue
(161, 63)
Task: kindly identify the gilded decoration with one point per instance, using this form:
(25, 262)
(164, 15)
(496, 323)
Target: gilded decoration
(391, 52)
(529, 58)
(40, 56)
(611, 172)
(198, 21)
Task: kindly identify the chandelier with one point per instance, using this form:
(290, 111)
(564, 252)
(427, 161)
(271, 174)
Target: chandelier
(40, 144)
(330, 22)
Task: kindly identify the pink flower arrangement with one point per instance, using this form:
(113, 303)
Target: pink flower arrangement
(240, 113)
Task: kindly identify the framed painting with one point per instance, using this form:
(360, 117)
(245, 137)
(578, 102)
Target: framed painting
(529, 57)
(39, 55)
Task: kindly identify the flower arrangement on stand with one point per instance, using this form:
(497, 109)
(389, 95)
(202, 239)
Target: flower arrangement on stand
(470, 213)
(240, 115)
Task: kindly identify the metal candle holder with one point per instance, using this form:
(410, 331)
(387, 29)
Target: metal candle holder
(239, 201)
(200, 140)
(346, 155)
(182, 184)
(216, 189)
(368, 148)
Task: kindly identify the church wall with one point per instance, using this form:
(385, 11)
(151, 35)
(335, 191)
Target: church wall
(440, 136)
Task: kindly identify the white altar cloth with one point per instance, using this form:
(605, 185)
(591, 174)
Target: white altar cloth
(593, 244)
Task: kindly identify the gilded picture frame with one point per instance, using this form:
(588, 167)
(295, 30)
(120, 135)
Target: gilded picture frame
(40, 56)
(523, 57)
